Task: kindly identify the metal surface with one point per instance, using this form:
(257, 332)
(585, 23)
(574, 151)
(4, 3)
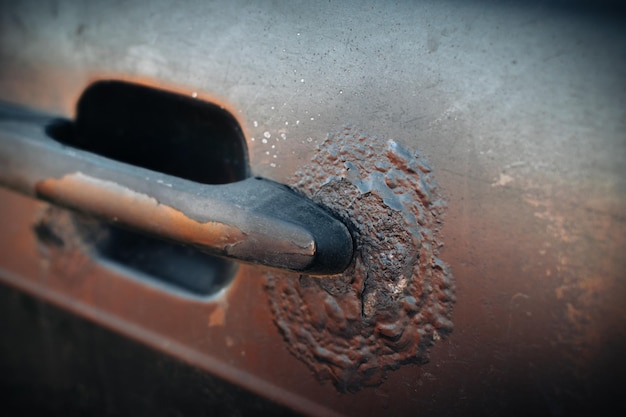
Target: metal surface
(519, 106)
(254, 220)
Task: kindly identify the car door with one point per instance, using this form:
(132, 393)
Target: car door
(311, 208)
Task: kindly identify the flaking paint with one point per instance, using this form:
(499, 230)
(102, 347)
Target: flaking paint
(395, 301)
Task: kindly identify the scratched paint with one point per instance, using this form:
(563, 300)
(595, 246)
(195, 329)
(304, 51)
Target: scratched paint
(395, 300)
(120, 204)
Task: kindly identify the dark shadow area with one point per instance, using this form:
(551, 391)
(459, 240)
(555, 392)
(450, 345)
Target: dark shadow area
(53, 363)
(589, 8)
(157, 130)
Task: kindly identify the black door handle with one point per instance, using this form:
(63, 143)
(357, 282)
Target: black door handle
(255, 220)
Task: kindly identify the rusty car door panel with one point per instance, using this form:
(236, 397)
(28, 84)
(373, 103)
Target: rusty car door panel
(332, 209)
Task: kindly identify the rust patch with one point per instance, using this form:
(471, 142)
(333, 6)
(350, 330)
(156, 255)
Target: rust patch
(396, 298)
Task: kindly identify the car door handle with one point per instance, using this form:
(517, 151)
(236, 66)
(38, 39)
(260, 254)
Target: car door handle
(255, 220)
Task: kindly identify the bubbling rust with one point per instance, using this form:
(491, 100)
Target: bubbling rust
(395, 300)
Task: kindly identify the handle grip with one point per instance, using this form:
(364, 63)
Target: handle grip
(255, 220)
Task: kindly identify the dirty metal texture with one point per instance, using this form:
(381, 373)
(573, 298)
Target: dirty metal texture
(395, 300)
(66, 241)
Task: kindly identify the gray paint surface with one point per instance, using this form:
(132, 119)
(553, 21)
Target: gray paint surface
(504, 83)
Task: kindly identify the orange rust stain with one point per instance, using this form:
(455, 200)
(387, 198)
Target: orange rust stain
(217, 317)
(110, 200)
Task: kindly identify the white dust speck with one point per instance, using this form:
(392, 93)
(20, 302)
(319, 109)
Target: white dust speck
(273, 165)
(503, 180)
(255, 123)
(264, 140)
(267, 135)
(194, 94)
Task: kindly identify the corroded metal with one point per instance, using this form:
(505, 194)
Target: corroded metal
(396, 300)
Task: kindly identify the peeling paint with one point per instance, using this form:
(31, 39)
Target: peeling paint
(217, 316)
(108, 199)
(395, 301)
